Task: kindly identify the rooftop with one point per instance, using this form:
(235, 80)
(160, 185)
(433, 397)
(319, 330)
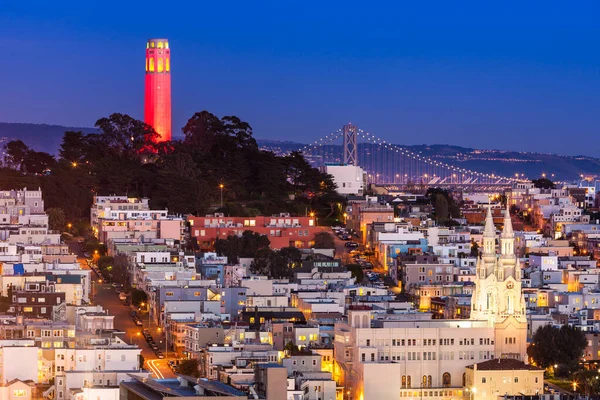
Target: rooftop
(183, 386)
(504, 364)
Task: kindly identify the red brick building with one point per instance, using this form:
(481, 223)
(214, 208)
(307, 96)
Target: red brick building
(282, 230)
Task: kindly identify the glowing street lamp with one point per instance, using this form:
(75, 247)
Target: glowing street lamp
(221, 186)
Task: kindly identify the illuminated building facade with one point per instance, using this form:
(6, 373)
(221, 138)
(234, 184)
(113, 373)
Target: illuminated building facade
(157, 104)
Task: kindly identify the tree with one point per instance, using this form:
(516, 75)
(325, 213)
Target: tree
(474, 248)
(276, 264)
(290, 347)
(189, 367)
(324, 240)
(123, 135)
(563, 346)
(441, 208)
(357, 272)
(56, 218)
(250, 244)
(543, 183)
(16, 151)
(450, 209)
(37, 162)
(138, 297)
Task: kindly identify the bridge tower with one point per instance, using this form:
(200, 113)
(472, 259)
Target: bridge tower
(350, 145)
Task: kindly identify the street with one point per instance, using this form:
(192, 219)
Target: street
(105, 295)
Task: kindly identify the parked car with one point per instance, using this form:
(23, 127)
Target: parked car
(138, 322)
(133, 313)
(351, 244)
(160, 354)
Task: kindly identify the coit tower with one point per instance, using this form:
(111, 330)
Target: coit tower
(157, 103)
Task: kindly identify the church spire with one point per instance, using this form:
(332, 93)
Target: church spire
(489, 230)
(507, 231)
(489, 234)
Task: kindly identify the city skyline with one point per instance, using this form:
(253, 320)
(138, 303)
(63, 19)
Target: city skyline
(465, 80)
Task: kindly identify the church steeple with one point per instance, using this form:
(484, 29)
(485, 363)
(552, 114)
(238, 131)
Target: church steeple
(507, 237)
(489, 234)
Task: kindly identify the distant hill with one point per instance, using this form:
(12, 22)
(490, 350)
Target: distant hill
(40, 137)
(47, 138)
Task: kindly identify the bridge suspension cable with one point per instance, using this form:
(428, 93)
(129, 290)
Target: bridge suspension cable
(389, 163)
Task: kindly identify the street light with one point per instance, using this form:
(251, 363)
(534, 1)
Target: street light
(221, 186)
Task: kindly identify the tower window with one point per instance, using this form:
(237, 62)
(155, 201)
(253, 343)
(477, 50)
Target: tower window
(151, 67)
(166, 45)
(167, 64)
(160, 65)
(160, 45)
(152, 44)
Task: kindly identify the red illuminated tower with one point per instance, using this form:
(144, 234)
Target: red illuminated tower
(157, 105)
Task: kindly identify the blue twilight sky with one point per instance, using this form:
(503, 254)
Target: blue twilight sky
(509, 75)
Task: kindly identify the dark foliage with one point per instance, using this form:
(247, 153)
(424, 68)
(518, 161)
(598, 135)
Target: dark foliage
(324, 240)
(277, 264)
(563, 346)
(183, 176)
(543, 183)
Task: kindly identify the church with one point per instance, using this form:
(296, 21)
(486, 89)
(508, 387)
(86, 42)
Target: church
(386, 356)
(497, 297)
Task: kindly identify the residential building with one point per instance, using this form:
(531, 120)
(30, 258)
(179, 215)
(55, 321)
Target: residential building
(282, 230)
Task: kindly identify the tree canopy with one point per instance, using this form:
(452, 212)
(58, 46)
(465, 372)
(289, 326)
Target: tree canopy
(277, 263)
(249, 244)
(324, 240)
(563, 346)
(183, 176)
(543, 183)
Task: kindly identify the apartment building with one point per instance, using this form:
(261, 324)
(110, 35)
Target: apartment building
(282, 230)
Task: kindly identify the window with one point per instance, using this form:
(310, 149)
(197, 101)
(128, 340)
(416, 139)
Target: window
(483, 380)
(169, 294)
(516, 379)
(19, 393)
(446, 380)
(122, 357)
(27, 309)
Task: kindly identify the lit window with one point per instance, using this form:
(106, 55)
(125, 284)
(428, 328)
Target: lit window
(152, 44)
(19, 393)
(27, 309)
(160, 45)
(151, 64)
(160, 65)
(166, 45)
(167, 64)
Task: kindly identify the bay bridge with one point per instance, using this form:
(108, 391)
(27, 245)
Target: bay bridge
(395, 167)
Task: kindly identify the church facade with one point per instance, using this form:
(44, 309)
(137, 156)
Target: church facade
(497, 298)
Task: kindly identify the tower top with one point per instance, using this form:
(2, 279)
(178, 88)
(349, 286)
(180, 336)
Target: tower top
(157, 43)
